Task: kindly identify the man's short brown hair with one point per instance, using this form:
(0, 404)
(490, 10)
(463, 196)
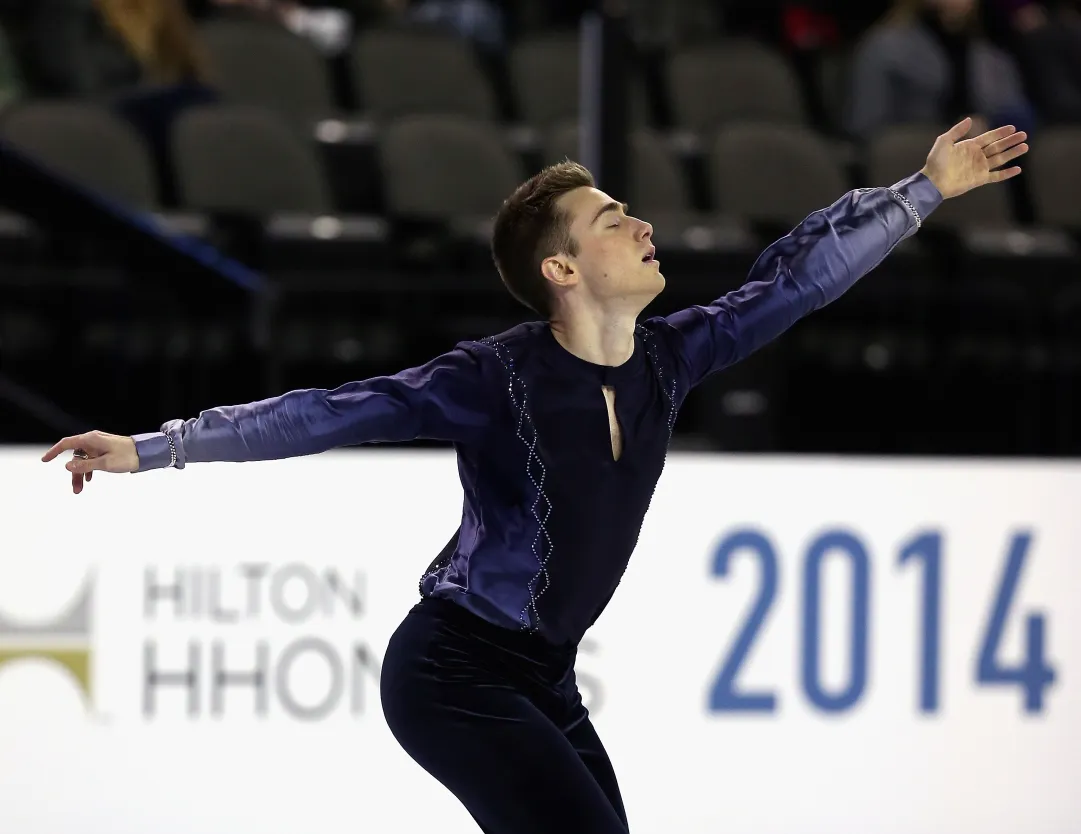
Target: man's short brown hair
(531, 227)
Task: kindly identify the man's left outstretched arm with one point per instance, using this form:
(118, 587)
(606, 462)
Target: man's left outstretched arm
(833, 248)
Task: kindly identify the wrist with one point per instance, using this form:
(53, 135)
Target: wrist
(155, 450)
(132, 456)
(919, 195)
(937, 181)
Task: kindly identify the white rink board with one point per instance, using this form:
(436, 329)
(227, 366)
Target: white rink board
(895, 734)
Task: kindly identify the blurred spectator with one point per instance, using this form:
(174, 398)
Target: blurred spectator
(929, 63)
(1046, 37)
(479, 21)
(96, 48)
(328, 26)
(159, 35)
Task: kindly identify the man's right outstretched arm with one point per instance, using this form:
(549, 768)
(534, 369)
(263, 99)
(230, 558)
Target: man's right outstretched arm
(445, 399)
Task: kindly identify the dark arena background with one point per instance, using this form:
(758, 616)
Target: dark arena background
(869, 528)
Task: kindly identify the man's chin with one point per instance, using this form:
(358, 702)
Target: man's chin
(644, 292)
(656, 287)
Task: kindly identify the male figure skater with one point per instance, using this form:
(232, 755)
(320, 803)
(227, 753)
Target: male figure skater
(561, 428)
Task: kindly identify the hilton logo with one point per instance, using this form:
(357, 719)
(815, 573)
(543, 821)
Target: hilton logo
(65, 641)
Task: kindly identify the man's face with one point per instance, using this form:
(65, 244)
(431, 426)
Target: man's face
(615, 252)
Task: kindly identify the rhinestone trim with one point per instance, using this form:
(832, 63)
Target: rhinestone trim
(907, 204)
(536, 472)
(651, 348)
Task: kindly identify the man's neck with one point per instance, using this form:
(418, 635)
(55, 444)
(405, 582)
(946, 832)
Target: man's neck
(597, 338)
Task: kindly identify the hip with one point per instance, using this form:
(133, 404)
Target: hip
(441, 646)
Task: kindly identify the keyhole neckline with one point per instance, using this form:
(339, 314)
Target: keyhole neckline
(608, 375)
(616, 439)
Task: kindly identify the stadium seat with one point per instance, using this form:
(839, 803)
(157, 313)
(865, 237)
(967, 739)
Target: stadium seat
(87, 144)
(545, 72)
(447, 169)
(404, 72)
(260, 64)
(265, 65)
(713, 85)
(674, 21)
(1054, 176)
(246, 160)
(772, 174)
(831, 78)
(657, 182)
(660, 193)
(902, 151)
(11, 83)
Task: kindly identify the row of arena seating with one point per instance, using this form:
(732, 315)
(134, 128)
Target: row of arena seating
(237, 159)
(394, 72)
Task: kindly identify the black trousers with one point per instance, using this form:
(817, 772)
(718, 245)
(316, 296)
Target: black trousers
(495, 716)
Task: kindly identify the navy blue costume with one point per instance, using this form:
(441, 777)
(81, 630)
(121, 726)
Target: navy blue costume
(478, 681)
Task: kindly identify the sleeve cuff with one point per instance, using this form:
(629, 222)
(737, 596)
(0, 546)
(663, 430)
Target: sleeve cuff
(918, 195)
(153, 450)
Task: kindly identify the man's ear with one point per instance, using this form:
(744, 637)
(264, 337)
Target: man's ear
(560, 270)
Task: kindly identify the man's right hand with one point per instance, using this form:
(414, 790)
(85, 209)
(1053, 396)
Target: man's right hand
(104, 453)
(957, 165)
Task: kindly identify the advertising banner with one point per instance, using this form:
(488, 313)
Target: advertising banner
(800, 645)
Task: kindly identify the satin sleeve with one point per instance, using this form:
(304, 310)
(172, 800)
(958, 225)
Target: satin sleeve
(807, 269)
(446, 399)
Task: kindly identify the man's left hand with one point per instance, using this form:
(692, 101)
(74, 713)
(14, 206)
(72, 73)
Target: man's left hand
(957, 165)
